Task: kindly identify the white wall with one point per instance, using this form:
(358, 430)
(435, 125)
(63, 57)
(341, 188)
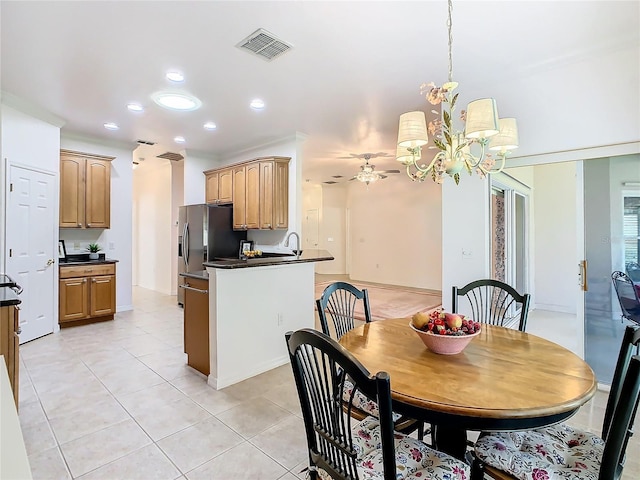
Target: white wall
(152, 186)
(466, 233)
(117, 240)
(555, 237)
(177, 198)
(396, 232)
(332, 234)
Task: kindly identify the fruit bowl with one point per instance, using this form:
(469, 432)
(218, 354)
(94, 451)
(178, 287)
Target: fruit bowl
(444, 344)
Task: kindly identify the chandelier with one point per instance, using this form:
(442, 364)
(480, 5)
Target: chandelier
(483, 128)
(367, 175)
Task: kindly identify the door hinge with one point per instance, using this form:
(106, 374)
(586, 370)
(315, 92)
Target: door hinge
(11, 252)
(11, 187)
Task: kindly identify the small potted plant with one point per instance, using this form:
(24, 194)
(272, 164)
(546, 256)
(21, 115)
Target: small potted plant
(93, 248)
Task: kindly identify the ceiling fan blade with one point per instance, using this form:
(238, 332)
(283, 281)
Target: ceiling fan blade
(352, 178)
(380, 177)
(380, 154)
(388, 171)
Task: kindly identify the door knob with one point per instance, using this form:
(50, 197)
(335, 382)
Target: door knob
(50, 262)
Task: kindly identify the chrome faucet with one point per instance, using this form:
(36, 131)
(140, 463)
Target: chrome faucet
(286, 242)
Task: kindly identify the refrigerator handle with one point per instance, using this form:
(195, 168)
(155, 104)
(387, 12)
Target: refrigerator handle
(185, 246)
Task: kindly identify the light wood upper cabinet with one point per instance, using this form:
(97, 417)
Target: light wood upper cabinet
(252, 195)
(239, 199)
(274, 194)
(85, 190)
(259, 191)
(219, 186)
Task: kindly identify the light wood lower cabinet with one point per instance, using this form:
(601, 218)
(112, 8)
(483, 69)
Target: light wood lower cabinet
(10, 344)
(87, 292)
(196, 323)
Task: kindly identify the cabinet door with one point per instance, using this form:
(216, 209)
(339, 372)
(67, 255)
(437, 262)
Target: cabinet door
(211, 187)
(266, 195)
(74, 299)
(72, 170)
(98, 194)
(252, 194)
(239, 199)
(15, 353)
(281, 195)
(196, 324)
(103, 296)
(225, 186)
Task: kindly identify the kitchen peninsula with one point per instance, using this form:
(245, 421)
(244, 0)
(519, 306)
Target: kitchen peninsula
(252, 303)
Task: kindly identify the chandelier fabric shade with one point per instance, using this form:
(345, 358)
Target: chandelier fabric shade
(482, 118)
(412, 130)
(507, 139)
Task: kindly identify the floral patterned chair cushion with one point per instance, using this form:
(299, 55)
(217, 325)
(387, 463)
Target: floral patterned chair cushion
(362, 402)
(414, 459)
(557, 452)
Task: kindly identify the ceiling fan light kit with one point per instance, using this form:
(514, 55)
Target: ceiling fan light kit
(483, 127)
(367, 173)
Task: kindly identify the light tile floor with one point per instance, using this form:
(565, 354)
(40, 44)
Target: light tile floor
(115, 400)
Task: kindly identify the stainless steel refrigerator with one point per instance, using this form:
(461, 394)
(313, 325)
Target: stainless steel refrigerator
(205, 232)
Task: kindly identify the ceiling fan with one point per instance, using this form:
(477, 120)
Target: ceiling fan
(368, 173)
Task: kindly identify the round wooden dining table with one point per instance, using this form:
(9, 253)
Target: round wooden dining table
(503, 380)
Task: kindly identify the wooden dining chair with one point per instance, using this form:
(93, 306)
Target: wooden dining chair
(561, 451)
(493, 302)
(628, 297)
(341, 446)
(336, 309)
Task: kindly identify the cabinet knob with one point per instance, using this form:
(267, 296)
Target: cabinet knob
(84, 280)
(79, 225)
(268, 225)
(88, 224)
(19, 331)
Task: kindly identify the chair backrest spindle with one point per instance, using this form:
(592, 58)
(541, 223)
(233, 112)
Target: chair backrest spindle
(337, 305)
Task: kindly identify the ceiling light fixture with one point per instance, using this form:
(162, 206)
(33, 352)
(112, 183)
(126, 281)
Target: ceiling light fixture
(367, 175)
(177, 101)
(257, 104)
(175, 76)
(209, 126)
(482, 127)
(135, 107)
(179, 139)
(111, 126)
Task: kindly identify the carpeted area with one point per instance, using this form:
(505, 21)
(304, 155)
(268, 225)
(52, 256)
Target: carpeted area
(391, 301)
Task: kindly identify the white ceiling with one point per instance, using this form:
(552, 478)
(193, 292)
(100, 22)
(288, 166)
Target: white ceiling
(568, 70)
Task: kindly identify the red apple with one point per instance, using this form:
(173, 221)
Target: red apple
(453, 320)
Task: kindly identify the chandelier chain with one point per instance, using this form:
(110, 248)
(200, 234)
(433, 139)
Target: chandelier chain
(449, 24)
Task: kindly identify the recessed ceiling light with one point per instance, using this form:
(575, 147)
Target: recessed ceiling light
(135, 107)
(111, 126)
(209, 126)
(176, 101)
(257, 104)
(179, 139)
(175, 76)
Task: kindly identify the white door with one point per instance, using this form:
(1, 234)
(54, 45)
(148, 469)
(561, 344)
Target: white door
(31, 236)
(311, 232)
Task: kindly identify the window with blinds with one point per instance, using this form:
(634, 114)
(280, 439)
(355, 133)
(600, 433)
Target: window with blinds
(631, 229)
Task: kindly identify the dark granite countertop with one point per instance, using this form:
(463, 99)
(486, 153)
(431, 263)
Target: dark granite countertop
(307, 256)
(83, 259)
(8, 297)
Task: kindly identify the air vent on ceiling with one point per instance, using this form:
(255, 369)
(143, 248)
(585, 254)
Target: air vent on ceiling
(174, 157)
(330, 182)
(264, 44)
(145, 142)
(337, 176)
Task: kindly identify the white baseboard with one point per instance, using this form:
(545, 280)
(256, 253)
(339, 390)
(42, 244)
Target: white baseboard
(222, 382)
(555, 308)
(123, 308)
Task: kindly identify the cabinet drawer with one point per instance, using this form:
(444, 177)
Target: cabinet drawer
(87, 270)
